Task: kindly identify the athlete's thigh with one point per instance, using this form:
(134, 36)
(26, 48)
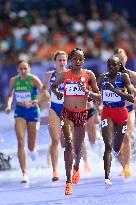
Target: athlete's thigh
(130, 122)
(90, 123)
(91, 129)
(97, 117)
(32, 128)
(120, 131)
(20, 127)
(78, 137)
(54, 125)
(68, 128)
(107, 127)
(32, 132)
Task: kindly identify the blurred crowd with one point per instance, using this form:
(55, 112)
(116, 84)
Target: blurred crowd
(30, 35)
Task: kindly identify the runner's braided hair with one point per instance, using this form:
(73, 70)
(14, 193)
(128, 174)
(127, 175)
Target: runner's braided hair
(75, 50)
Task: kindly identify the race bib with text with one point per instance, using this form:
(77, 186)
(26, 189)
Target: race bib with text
(23, 96)
(74, 89)
(110, 96)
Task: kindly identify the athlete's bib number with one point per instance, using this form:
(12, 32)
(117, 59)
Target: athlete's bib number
(24, 96)
(104, 123)
(124, 129)
(110, 96)
(74, 89)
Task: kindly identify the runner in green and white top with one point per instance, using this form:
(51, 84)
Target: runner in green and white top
(24, 87)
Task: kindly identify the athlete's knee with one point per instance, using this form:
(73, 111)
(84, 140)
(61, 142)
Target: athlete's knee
(55, 142)
(20, 143)
(31, 145)
(68, 143)
(31, 148)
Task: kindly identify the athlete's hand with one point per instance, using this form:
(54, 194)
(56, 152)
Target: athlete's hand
(109, 86)
(59, 95)
(7, 109)
(34, 102)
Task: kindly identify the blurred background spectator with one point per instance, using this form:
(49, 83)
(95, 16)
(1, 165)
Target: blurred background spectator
(33, 29)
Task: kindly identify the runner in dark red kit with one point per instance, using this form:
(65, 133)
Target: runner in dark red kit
(74, 115)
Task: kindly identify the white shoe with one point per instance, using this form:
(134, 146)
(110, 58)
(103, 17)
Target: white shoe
(108, 183)
(33, 155)
(24, 178)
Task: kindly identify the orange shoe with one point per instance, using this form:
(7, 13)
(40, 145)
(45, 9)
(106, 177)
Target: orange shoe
(68, 189)
(76, 176)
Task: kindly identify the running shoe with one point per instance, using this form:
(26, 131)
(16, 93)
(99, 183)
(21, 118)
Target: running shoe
(76, 176)
(24, 178)
(68, 189)
(108, 183)
(127, 171)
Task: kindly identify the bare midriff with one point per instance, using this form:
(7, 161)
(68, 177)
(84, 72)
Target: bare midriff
(75, 103)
